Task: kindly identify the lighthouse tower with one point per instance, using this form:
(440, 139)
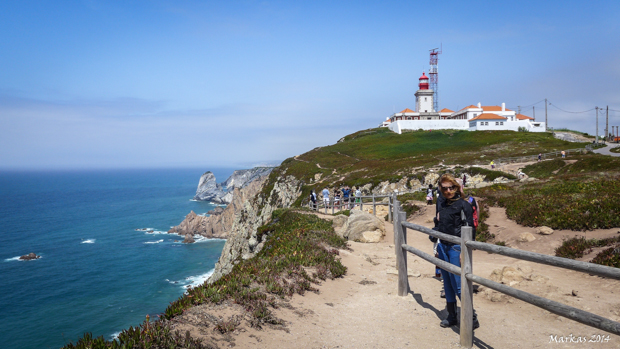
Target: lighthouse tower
(424, 96)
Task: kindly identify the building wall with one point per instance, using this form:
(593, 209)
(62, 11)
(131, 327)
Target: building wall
(456, 124)
(399, 126)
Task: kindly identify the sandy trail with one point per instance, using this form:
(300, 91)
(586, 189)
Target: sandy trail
(363, 310)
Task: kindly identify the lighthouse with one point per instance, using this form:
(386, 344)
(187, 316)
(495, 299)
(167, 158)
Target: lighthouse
(424, 96)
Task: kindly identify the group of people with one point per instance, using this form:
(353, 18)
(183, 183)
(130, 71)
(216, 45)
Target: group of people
(344, 197)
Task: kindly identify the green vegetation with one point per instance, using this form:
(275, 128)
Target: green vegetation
(577, 247)
(377, 155)
(544, 169)
(300, 250)
(615, 150)
(573, 131)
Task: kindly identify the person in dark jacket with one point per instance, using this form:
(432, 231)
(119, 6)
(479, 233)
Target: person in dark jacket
(448, 220)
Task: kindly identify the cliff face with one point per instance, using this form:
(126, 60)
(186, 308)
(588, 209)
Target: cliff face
(209, 190)
(219, 225)
(242, 242)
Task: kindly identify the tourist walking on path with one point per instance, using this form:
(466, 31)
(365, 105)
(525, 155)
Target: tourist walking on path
(448, 221)
(325, 197)
(563, 154)
(313, 199)
(358, 197)
(346, 193)
(492, 164)
(429, 195)
(539, 157)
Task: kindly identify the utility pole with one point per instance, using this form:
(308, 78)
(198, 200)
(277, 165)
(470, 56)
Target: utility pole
(534, 112)
(596, 125)
(545, 114)
(607, 124)
(519, 110)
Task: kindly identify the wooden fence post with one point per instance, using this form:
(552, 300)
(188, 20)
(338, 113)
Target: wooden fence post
(390, 198)
(333, 204)
(362, 203)
(401, 255)
(374, 205)
(467, 306)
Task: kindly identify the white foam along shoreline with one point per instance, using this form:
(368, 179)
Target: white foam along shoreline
(89, 241)
(16, 259)
(154, 242)
(193, 281)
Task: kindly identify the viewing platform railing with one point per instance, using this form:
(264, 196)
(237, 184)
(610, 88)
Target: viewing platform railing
(467, 277)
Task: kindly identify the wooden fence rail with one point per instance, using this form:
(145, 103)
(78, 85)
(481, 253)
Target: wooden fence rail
(351, 203)
(467, 277)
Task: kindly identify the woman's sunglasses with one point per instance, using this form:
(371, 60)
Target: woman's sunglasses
(452, 188)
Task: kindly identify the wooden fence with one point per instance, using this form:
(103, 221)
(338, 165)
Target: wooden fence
(467, 278)
(350, 203)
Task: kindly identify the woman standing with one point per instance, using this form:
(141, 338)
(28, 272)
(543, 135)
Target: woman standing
(448, 221)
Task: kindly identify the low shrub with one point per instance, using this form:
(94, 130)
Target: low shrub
(577, 247)
(544, 169)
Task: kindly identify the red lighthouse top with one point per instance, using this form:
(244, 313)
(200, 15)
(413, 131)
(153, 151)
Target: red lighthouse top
(423, 82)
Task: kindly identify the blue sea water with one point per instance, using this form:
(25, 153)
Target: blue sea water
(97, 272)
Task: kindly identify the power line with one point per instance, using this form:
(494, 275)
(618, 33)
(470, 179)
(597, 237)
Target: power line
(573, 112)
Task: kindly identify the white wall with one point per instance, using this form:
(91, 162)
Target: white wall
(399, 126)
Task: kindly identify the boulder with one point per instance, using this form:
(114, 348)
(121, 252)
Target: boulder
(507, 275)
(189, 239)
(364, 227)
(545, 230)
(526, 237)
(340, 224)
(29, 256)
(216, 211)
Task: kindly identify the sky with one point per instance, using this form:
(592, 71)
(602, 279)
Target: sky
(157, 84)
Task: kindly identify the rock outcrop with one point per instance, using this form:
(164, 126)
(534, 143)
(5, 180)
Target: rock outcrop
(209, 190)
(243, 242)
(219, 224)
(360, 226)
(30, 256)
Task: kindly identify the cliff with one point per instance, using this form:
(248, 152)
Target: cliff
(278, 191)
(219, 225)
(209, 190)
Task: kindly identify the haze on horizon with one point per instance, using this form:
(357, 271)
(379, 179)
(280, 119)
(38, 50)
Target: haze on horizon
(116, 84)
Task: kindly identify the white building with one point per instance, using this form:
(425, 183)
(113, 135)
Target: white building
(472, 118)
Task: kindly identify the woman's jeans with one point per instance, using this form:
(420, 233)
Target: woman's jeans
(451, 282)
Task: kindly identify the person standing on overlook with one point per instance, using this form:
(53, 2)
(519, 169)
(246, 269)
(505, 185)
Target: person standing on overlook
(325, 193)
(448, 220)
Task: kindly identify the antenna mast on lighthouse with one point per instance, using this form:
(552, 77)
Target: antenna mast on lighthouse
(433, 76)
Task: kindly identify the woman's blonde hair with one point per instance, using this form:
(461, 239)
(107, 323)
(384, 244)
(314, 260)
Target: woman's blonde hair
(447, 177)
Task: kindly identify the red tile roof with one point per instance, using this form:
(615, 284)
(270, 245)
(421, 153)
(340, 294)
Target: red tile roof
(446, 110)
(407, 110)
(523, 117)
(493, 108)
(488, 116)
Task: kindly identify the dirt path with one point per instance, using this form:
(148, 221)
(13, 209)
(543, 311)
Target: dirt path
(363, 310)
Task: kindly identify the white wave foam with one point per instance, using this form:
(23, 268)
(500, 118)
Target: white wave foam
(193, 281)
(89, 241)
(115, 335)
(154, 242)
(194, 200)
(13, 259)
(145, 229)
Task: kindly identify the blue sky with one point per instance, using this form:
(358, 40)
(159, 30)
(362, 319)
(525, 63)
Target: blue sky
(119, 84)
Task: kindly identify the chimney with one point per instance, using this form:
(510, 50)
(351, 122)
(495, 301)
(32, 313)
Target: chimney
(503, 106)
(479, 105)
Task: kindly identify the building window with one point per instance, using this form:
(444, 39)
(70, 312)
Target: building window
(501, 123)
(424, 99)
(496, 123)
(408, 117)
(428, 118)
(486, 123)
(475, 114)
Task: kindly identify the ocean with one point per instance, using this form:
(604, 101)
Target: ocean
(100, 270)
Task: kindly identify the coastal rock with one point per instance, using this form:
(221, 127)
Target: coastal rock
(340, 224)
(364, 227)
(209, 190)
(240, 178)
(189, 239)
(526, 237)
(251, 212)
(216, 211)
(29, 256)
(545, 230)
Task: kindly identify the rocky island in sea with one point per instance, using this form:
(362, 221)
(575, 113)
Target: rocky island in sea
(238, 188)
